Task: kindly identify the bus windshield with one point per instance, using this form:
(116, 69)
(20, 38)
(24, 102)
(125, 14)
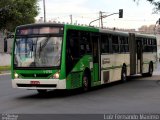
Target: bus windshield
(37, 51)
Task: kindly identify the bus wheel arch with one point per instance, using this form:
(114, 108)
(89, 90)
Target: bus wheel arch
(86, 79)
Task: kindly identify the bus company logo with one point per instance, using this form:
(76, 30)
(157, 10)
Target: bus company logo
(106, 60)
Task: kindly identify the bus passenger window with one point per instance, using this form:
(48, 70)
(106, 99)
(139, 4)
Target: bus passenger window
(154, 45)
(115, 44)
(124, 47)
(104, 44)
(85, 43)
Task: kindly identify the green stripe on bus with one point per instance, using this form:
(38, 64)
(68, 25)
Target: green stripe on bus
(113, 67)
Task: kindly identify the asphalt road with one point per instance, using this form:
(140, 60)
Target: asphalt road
(139, 95)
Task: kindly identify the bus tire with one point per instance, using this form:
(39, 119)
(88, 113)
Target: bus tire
(124, 74)
(41, 91)
(150, 70)
(85, 82)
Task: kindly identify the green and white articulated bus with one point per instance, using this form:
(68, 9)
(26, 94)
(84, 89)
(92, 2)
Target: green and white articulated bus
(59, 56)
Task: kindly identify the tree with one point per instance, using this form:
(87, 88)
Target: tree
(17, 12)
(156, 3)
(147, 29)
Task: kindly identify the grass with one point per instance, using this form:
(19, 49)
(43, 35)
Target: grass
(5, 68)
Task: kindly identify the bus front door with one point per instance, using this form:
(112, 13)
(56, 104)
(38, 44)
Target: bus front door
(139, 56)
(96, 57)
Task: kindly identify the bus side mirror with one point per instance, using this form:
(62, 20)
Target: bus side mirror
(120, 13)
(5, 45)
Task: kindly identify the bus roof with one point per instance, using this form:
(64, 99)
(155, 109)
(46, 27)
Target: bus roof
(115, 32)
(40, 24)
(145, 35)
(68, 26)
(85, 28)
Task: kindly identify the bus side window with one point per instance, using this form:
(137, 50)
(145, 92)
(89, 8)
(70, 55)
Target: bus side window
(122, 44)
(104, 43)
(85, 43)
(115, 44)
(148, 45)
(73, 43)
(144, 45)
(126, 44)
(124, 47)
(72, 53)
(154, 45)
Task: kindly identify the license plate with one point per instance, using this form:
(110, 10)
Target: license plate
(35, 82)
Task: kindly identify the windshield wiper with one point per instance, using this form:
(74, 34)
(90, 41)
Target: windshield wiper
(45, 43)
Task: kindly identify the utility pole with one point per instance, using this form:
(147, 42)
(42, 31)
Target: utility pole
(104, 16)
(44, 8)
(101, 19)
(71, 18)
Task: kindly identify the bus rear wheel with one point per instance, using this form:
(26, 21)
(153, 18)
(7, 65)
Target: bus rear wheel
(124, 74)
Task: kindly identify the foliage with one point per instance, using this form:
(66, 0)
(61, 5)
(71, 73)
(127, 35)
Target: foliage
(5, 68)
(156, 4)
(17, 12)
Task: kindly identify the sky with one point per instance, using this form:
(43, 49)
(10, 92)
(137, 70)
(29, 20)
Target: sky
(83, 11)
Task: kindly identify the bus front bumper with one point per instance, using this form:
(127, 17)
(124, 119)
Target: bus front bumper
(32, 84)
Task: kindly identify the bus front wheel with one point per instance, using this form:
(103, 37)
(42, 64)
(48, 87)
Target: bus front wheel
(85, 81)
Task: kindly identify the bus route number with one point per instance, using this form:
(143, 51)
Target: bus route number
(47, 71)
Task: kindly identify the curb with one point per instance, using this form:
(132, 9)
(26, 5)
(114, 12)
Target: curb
(5, 74)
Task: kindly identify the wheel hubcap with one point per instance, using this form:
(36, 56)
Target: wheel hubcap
(124, 76)
(85, 82)
(151, 70)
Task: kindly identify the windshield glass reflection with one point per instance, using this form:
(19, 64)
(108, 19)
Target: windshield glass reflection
(37, 51)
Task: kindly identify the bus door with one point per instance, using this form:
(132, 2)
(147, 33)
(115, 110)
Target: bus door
(132, 49)
(96, 57)
(139, 56)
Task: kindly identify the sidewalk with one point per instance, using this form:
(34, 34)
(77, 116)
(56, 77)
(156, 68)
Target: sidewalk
(157, 71)
(5, 59)
(5, 72)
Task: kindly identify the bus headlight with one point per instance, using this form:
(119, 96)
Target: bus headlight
(16, 75)
(56, 75)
